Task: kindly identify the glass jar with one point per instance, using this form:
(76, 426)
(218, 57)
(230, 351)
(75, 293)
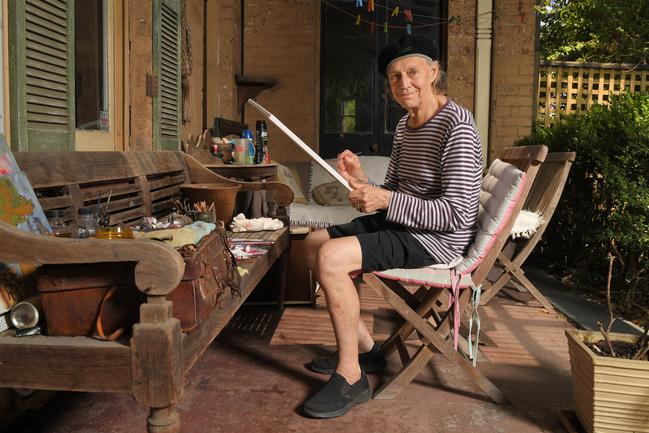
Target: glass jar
(87, 223)
(207, 217)
(119, 232)
(60, 227)
(272, 209)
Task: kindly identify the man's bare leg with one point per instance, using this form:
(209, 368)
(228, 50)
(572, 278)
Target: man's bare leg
(314, 241)
(348, 385)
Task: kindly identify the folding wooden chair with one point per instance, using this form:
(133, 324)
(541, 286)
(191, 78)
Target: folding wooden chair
(501, 198)
(543, 198)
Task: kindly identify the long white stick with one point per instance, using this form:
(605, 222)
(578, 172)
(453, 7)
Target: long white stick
(299, 142)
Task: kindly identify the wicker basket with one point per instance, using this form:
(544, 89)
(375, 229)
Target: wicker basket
(223, 195)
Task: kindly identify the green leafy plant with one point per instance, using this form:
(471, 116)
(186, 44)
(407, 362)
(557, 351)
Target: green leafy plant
(594, 30)
(605, 204)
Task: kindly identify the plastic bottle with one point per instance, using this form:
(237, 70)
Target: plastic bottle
(251, 145)
(263, 155)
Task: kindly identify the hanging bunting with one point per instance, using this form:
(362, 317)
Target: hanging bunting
(455, 19)
(409, 25)
(523, 17)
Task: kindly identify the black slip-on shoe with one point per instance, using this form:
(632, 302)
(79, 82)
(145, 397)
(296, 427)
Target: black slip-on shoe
(337, 397)
(371, 362)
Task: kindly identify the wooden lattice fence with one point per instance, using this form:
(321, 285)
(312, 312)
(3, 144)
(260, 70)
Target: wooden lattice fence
(571, 87)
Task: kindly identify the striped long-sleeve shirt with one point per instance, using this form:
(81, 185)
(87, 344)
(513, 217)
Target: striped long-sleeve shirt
(435, 173)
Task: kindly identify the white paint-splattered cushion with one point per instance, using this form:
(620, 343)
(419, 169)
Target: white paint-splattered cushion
(501, 190)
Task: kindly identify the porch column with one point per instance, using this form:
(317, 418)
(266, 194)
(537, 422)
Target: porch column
(484, 26)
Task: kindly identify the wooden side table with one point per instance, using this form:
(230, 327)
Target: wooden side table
(246, 171)
(300, 284)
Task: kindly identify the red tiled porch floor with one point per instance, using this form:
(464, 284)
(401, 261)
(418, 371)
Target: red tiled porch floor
(252, 379)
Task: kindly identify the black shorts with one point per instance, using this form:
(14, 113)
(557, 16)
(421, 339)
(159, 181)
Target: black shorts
(384, 245)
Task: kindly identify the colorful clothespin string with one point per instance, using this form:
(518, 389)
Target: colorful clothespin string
(455, 19)
(523, 17)
(358, 19)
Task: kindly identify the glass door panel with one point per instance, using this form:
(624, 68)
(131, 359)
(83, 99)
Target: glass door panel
(357, 111)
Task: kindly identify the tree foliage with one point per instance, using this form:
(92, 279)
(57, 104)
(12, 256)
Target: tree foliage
(610, 31)
(605, 203)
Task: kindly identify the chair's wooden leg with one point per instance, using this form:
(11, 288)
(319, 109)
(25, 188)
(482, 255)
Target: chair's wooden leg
(445, 323)
(488, 294)
(163, 420)
(393, 387)
(512, 270)
(403, 351)
(485, 340)
(282, 270)
(439, 343)
(406, 329)
(521, 278)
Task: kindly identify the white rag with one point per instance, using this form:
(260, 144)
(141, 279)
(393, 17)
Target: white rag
(526, 224)
(241, 224)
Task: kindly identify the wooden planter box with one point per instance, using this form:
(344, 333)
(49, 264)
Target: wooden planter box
(611, 395)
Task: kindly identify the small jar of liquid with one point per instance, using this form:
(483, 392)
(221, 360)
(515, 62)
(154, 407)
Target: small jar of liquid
(60, 227)
(87, 224)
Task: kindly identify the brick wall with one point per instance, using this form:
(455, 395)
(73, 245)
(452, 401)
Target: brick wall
(513, 73)
(461, 53)
(282, 42)
(223, 58)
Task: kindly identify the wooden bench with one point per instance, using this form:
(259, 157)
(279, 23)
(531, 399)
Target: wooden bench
(151, 365)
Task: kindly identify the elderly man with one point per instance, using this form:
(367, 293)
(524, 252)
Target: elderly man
(427, 210)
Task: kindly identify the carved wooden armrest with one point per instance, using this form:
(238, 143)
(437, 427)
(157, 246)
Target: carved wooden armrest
(200, 174)
(158, 271)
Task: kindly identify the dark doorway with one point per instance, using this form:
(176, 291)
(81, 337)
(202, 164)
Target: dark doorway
(356, 109)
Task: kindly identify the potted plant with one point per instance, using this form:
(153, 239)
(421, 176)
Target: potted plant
(610, 375)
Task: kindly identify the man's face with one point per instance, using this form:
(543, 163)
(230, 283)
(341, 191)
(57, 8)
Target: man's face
(411, 81)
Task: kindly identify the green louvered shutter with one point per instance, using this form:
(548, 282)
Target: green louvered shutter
(41, 73)
(166, 67)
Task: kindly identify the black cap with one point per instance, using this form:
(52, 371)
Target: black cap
(407, 45)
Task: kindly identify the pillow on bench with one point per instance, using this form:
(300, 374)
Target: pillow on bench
(290, 177)
(331, 194)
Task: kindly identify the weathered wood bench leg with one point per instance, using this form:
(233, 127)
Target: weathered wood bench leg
(163, 420)
(157, 364)
(282, 269)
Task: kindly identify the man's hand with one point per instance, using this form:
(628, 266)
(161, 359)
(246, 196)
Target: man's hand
(368, 198)
(349, 167)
